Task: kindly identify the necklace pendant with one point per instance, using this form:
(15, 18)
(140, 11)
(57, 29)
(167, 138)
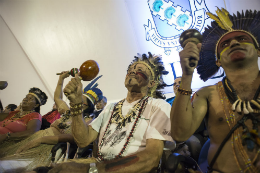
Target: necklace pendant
(237, 105)
(245, 108)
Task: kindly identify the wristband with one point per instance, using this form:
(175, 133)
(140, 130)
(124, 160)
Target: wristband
(75, 109)
(184, 92)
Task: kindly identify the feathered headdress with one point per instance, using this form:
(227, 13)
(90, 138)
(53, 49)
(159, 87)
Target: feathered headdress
(224, 23)
(155, 65)
(92, 92)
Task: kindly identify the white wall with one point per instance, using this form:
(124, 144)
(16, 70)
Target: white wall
(238, 5)
(53, 36)
(39, 38)
(17, 70)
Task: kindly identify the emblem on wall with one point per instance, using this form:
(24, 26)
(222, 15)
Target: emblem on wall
(170, 18)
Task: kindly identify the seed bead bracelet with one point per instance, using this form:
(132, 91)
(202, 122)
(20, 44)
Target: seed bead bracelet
(75, 109)
(184, 92)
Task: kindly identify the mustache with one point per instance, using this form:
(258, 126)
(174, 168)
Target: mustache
(142, 74)
(138, 73)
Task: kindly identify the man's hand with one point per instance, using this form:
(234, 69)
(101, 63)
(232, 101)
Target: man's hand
(69, 167)
(73, 90)
(190, 50)
(29, 145)
(64, 74)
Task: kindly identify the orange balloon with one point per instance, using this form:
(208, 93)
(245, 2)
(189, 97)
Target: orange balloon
(89, 70)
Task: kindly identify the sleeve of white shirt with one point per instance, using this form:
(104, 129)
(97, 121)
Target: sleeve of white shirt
(102, 118)
(160, 124)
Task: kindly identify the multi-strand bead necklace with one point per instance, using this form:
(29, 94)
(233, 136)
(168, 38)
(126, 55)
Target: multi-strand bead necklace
(116, 117)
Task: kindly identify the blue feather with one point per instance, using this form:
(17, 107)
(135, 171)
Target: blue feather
(89, 86)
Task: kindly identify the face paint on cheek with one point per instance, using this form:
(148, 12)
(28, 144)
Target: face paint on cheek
(229, 48)
(142, 74)
(220, 55)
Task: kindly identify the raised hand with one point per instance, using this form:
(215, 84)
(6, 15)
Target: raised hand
(190, 50)
(64, 74)
(73, 90)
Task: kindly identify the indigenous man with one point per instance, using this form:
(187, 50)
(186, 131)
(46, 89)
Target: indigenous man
(233, 43)
(130, 132)
(91, 95)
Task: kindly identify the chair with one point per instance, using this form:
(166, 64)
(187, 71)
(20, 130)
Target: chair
(203, 162)
(175, 161)
(64, 150)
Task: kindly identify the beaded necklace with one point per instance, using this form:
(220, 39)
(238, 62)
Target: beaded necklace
(115, 115)
(231, 121)
(237, 103)
(13, 119)
(119, 119)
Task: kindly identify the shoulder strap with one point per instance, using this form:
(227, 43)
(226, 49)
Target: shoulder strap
(239, 123)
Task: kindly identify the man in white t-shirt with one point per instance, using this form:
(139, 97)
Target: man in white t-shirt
(131, 133)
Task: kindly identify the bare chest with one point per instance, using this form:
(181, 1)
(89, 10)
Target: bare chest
(220, 120)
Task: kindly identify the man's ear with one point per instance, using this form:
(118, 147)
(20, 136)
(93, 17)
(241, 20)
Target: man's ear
(218, 63)
(151, 84)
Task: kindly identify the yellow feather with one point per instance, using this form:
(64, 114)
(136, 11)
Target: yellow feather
(214, 17)
(224, 18)
(225, 11)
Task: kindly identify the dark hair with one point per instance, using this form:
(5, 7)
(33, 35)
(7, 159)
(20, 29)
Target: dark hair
(12, 107)
(37, 109)
(41, 95)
